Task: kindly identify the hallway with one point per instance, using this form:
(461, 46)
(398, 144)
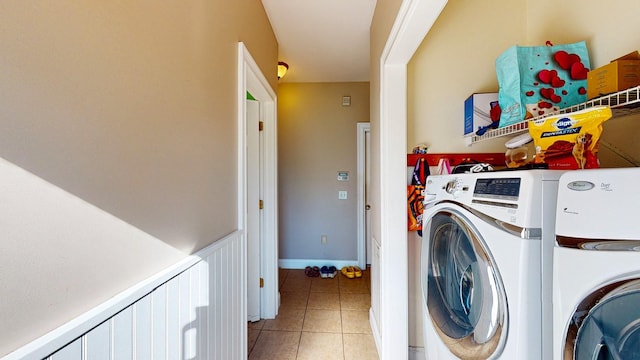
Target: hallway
(318, 319)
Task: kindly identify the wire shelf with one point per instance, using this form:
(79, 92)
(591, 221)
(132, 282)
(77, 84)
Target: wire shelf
(622, 103)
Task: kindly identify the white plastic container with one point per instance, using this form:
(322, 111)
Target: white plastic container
(520, 151)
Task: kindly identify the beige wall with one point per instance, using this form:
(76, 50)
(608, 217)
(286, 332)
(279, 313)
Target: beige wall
(132, 107)
(457, 58)
(129, 104)
(316, 139)
(451, 64)
(54, 262)
(610, 32)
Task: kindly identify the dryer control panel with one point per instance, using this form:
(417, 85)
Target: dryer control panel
(498, 188)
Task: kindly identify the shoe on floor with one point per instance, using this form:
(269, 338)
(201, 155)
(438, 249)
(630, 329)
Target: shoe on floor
(332, 271)
(349, 272)
(357, 272)
(324, 272)
(312, 271)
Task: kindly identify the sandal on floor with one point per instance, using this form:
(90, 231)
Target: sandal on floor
(357, 272)
(308, 271)
(348, 272)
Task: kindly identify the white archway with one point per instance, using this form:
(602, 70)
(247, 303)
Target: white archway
(413, 22)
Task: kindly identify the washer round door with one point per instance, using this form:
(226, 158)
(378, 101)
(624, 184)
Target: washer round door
(611, 327)
(463, 290)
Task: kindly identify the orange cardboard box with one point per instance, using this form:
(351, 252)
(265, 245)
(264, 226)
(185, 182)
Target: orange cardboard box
(619, 74)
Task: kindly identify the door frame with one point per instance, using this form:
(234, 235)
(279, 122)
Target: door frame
(252, 80)
(363, 128)
(413, 22)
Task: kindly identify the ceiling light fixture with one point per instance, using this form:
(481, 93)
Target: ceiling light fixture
(282, 69)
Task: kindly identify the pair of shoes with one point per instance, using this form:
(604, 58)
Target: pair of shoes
(328, 272)
(348, 272)
(312, 271)
(351, 272)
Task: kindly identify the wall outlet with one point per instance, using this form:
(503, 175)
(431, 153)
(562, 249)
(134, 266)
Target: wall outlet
(342, 195)
(323, 239)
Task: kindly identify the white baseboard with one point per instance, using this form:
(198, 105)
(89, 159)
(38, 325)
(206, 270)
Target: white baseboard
(303, 263)
(417, 353)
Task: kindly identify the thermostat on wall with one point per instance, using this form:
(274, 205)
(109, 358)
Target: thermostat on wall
(343, 176)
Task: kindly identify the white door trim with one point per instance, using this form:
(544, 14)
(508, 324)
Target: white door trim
(413, 21)
(253, 214)
(363, 127)
(251, 79)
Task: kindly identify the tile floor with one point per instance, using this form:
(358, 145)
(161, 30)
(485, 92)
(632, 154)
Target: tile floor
(318, 319)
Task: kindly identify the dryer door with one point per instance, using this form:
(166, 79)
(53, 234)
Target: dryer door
(611, 327)
(464, 293)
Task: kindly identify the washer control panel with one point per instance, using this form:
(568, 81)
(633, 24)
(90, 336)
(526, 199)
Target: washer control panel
(486, 190)
(455, 187)
(450, 187)
(512, 197)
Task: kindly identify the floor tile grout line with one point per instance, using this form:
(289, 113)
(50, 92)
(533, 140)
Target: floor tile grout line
(341, 322)
(344, 354)
(341, 295)
(299, 341)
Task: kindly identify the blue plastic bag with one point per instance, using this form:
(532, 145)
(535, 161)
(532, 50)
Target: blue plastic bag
(540, 80)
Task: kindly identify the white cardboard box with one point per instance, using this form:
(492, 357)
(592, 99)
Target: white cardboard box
(477, 108)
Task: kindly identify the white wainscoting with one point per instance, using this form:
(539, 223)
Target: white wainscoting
(194, 310)
(374, 313)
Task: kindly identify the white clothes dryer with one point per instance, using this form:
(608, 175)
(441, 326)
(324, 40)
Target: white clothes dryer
(486, 249)
(597, 265)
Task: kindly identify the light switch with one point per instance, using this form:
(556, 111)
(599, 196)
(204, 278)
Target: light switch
(342, 195)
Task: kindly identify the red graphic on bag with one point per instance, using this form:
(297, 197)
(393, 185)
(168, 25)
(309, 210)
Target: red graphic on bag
(575, 69)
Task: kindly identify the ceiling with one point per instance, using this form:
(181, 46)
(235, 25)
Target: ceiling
(322, 40)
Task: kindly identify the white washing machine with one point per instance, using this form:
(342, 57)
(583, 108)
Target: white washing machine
(487, 247)
(597, 265)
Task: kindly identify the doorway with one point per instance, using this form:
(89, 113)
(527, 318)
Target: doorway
(364, 176)
(264, 274)
(413, 22)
